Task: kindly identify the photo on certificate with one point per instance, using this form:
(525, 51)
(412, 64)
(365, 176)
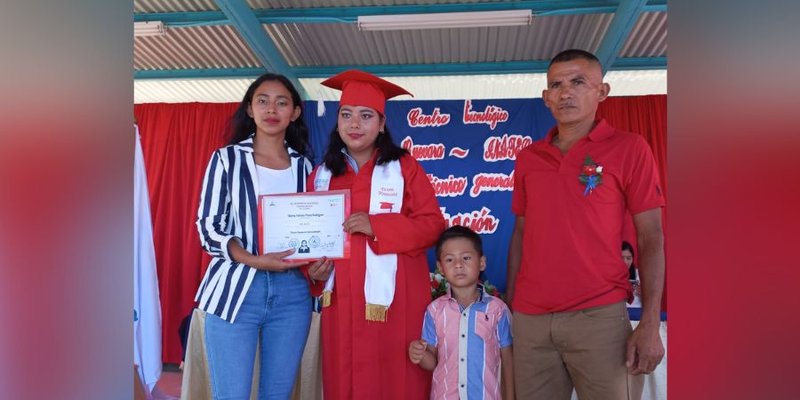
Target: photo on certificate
(310, 223)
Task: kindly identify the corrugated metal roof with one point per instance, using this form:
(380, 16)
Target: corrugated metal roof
(217, 47)
(153, 6)
(343, 44)
(192, 48)
(648, 37)
(160, 6)
(506, 86)
(256, 4)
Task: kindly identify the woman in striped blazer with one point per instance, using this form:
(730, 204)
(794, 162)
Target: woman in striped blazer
(254, 301)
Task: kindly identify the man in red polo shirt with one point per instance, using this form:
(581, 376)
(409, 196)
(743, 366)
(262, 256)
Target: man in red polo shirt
(566, 281)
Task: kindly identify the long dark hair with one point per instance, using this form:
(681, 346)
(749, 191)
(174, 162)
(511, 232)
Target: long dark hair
(632, 269)
(387, 151)
(241, 125)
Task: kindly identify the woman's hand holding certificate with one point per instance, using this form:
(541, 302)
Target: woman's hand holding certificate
(276, 261)
(318, 270)
(269, 262)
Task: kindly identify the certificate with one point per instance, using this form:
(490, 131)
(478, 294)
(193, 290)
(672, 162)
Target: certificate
(310, 223)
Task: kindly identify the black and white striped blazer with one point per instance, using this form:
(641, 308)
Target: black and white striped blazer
(228, 210)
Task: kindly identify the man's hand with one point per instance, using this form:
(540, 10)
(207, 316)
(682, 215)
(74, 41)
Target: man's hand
(645, 349)
(416, 351)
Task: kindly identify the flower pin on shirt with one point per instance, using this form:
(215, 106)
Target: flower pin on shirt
(591, 175)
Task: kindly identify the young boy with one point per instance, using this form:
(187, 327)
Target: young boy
(466, 335)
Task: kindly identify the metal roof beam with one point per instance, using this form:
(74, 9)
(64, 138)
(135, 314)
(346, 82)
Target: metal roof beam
(350, 14)
(242, 17)
(618, 31)
(205, 73)
(185, 18)
(509, 67)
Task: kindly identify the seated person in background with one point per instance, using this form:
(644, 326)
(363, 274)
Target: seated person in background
(633, 275)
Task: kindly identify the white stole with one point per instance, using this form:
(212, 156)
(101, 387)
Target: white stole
(386, 196)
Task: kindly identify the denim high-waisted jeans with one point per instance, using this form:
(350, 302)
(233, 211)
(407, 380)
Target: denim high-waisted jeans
(276, 312)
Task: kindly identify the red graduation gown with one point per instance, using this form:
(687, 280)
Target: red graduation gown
(369, 360)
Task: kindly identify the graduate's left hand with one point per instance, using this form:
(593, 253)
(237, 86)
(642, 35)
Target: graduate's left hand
(358, 223)
(320, 270)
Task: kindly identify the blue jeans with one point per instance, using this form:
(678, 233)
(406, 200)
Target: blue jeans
(276, 312)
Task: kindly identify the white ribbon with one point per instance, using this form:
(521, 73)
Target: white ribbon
(386, 196)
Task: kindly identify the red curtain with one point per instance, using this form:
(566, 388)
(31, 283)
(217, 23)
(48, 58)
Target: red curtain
(647, 116)
(177, 141)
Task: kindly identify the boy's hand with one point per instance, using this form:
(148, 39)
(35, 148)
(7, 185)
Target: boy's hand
(416, 350)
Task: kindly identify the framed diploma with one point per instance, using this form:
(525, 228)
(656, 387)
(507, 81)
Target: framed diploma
(310, 223)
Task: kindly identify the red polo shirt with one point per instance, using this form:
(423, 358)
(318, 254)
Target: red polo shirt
(571, 241)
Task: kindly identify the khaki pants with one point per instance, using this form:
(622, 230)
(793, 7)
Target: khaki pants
(196, 383)
(582, 349)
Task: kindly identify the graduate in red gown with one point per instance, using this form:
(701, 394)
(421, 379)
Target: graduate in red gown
(374, 303)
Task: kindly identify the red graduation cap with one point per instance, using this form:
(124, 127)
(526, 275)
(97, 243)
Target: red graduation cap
(360, 88)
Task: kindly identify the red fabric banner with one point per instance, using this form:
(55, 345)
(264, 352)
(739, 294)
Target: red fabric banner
(647, 116)
(177, 142)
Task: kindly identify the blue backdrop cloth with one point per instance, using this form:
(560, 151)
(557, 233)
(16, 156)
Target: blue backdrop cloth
(468, 148)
